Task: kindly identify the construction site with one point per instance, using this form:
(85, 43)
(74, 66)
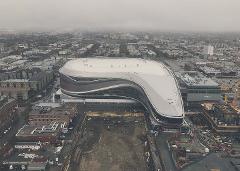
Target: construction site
(111, 140)
(113, 145)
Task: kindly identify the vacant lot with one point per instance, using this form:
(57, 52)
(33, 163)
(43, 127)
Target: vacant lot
(113, 145)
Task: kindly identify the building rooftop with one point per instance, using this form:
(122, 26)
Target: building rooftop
(196, 79)
(155, 78)
(51, 105)
(51, 111)
(19, 62)
(16, 80)
(210, 70)
(38, 76)
(226, 109)
(26, 158)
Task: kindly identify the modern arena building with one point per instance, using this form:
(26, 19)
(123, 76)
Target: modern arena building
(149, 82)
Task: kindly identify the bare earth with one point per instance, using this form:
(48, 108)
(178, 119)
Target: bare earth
(118, 149)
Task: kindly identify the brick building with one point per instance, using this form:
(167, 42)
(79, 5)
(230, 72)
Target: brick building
(8, 112)
(23, 84)
(47, 115)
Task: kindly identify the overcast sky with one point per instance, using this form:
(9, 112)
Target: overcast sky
(141, 15)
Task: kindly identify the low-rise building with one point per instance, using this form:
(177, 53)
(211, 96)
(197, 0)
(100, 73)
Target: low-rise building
(40, 80)
(27, 160)
(197, 88)
(238, 90)
(24, 84)
(221, 117)
(45, 115)
(15, 88)
(28, 146)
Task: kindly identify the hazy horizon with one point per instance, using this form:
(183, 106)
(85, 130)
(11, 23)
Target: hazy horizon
(121, 15)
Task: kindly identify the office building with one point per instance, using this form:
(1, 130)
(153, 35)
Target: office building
(208, 50)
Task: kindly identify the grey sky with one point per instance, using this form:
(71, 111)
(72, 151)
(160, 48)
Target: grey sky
(178, 15)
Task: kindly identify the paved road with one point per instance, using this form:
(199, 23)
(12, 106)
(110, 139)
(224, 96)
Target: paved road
(20, 120)
(165, 154)
(76, 135)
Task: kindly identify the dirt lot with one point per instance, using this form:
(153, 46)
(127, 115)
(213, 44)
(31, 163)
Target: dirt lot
(113, 145)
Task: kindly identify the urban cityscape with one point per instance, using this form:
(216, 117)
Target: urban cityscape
(118, 99)
(46, 126)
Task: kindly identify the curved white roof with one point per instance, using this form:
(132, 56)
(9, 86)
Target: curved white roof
(153, 77)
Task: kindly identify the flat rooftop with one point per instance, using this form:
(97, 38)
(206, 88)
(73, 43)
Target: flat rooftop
(16, 80)
(48, 104)
(196, 79)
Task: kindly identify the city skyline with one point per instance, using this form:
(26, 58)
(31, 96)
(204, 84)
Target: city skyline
(119, 85)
